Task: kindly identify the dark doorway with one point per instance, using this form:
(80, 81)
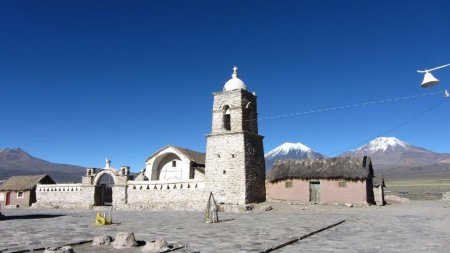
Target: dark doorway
(8, 198)
(103, 191)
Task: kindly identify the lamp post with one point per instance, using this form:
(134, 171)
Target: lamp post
(428, 79)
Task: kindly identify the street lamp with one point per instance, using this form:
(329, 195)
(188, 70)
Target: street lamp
(428, 79)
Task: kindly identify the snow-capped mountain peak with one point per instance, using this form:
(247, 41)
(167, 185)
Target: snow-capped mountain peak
(383, 143)
(289, 150)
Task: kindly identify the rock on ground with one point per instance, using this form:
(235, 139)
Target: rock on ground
(65, 249)
(124, 240)
(155, 246)
(102, 240)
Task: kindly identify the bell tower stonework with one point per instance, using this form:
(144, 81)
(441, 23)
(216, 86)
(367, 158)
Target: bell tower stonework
(235, 167)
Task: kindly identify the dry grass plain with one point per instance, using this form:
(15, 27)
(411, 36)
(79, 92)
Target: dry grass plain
(418, 189)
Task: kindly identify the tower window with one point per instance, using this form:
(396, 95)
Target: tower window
(226, 118)
(174, 163)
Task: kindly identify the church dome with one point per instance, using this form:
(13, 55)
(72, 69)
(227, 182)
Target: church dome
(234, 83)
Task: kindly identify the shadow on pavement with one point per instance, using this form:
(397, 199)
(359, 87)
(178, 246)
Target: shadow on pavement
(30, 216)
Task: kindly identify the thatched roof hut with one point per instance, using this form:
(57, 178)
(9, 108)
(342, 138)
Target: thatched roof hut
(25, 183)
(346, 168)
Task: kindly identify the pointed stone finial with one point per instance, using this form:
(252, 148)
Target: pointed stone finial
(235, 74)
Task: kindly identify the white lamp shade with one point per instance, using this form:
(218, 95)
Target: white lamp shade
(429, 80)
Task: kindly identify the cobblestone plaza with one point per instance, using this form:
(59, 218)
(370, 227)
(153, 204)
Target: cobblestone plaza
(417, 226)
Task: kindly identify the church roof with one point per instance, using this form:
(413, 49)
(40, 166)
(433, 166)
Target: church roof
(24, 183)
(234, 83)
(348, 168)
(194, 156)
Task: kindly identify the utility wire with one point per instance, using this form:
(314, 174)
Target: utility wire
(296, 114)
(353, 105)
(393, 128)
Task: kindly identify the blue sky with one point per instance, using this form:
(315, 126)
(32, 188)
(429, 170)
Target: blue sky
(85, 80)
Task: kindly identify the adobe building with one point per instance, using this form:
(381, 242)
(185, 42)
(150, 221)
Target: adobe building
(233, 168)
(20, 191)
(338, 180)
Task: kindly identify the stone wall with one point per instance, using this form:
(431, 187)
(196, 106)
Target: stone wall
(255, 173)
(225, 168)
(180, 195)
(134, 195)
(65, 196)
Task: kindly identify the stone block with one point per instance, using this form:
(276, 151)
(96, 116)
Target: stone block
(64, 249)
(102, 240)
(155, 246)
(124, 240)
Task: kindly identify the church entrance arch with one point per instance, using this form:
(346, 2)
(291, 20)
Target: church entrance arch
(104, 182)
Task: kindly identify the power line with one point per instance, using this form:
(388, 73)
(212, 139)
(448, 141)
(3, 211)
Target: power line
(335, 108)
(295, 114)
(393, 128)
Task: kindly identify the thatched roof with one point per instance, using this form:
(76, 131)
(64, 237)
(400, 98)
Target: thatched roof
(194, 156)
(24, 183)
(348, 168)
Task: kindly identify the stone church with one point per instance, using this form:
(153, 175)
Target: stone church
(233, 167)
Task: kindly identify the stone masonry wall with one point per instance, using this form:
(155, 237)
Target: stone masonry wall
(134, 195)
(255, 173)
(225, 168)
(65, 196)
(182, 195)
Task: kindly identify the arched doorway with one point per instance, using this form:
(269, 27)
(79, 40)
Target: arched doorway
(103, 190)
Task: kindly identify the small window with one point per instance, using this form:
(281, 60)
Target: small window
(233, 156)
(342, 184)
(288, 184)
(226, 118)
(174, 163)
(20, 195)
(224, 172)
(192, 173)
(218, 155)
(227, 122)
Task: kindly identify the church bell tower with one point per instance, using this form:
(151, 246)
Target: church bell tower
(235, 167)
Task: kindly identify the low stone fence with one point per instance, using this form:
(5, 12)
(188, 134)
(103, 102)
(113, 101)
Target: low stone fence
(179, 195)
(64, 195)
(188, 195)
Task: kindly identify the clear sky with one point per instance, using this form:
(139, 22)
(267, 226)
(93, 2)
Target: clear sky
(84, 80)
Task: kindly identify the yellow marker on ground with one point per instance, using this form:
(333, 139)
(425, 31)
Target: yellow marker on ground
(103, 219)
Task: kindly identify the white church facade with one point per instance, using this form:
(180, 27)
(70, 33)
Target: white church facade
(233, 167)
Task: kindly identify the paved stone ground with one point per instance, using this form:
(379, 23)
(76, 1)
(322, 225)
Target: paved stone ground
(417, 226)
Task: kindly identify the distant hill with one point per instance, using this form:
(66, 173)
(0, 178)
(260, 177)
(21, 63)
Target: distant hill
(286, 151)
(395, 158)
(16, 162)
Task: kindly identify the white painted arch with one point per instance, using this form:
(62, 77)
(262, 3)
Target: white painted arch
(101, 173)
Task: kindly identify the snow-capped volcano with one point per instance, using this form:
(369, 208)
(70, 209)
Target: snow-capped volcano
(384, 144)
(289, 150)
(391, 155)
